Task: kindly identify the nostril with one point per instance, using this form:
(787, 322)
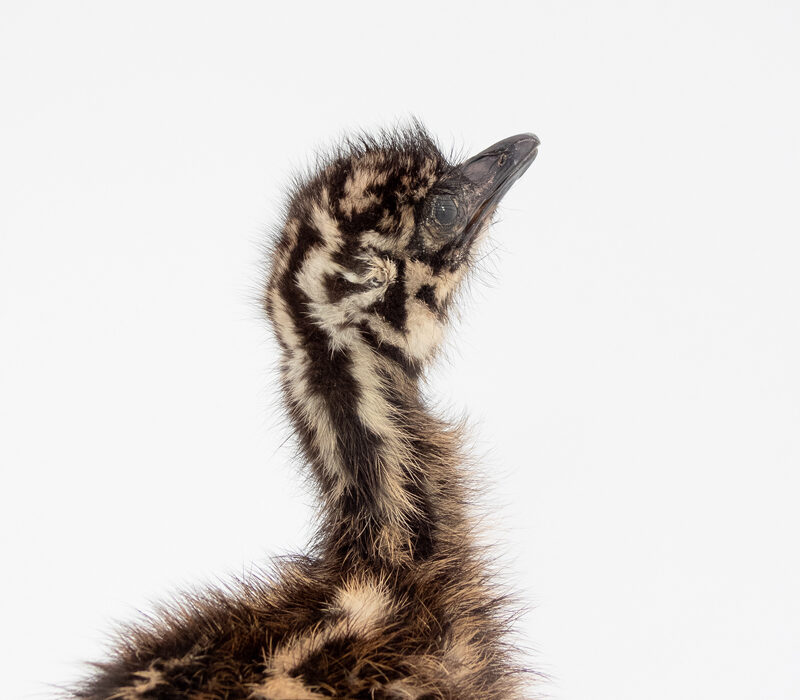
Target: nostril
(502, 159)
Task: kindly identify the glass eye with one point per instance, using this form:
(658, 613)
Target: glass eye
(445, 211)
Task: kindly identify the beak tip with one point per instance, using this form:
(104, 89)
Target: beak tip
(531, 137)
(527, 145)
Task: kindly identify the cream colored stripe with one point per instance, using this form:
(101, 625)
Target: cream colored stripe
(314, 411)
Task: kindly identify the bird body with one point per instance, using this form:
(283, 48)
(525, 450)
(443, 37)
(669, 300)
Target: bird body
(395, 599)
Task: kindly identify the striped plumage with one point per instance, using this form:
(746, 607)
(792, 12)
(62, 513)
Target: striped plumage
(394, 600)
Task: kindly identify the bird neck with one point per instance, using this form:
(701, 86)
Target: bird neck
(387, 470)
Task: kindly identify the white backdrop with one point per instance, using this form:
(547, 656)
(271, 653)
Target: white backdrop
(629, 356)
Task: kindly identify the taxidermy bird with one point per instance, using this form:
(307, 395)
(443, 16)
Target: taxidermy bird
(395, 598)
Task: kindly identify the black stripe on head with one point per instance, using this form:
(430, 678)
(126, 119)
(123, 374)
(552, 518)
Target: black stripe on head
(336, 176)
(427, 295)
(365, 221)
(307, 238)
(339, 287)
(347, 255)
(441, 259)
(393, 305)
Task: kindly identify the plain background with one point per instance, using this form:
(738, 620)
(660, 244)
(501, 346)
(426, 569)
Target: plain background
(628, 355)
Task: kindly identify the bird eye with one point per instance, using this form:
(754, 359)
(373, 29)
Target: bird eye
(445, 211)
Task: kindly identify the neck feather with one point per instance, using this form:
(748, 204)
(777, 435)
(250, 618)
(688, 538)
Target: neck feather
(387, 470)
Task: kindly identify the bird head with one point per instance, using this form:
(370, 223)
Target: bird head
(379, 238)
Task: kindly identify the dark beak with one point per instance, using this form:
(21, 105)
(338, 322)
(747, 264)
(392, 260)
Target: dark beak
(487, 176)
